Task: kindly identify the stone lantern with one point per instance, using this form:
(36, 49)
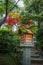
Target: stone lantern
(27, 43)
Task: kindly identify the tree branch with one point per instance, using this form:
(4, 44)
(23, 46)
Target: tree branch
(7, 12)
(13, 6)
(6, 7)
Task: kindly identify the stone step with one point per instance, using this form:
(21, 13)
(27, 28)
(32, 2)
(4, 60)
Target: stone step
(36, 63)
(35, 55)
(35, 51)
(34, 48)
(36, 60)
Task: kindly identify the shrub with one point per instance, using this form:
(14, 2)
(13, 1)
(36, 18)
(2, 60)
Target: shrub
(9, 41)
(39, 38)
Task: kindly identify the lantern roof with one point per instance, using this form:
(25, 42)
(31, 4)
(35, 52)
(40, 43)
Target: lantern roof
(29, 32)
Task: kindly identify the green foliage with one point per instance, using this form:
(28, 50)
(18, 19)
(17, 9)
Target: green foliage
(10, 6)
(35, 6)
(10, 59)
(3, 6)
(34, 9)
(23, 30)
(34, 29)
(9, 42)
(27, 3)
(39, 37)
(8, 39)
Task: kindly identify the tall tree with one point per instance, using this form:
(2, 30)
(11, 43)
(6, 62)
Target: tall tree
(34, 10)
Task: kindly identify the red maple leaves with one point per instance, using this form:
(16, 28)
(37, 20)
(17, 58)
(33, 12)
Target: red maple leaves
(12, 21)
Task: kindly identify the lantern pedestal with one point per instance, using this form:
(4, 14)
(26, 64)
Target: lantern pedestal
(26, 53)
(27, 56)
